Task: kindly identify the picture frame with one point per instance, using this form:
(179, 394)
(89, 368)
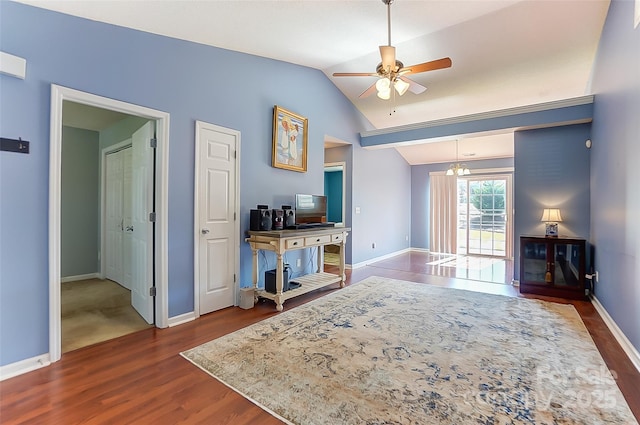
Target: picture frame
(289, 141)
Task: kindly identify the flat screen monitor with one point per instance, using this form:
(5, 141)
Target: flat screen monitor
(311, 208)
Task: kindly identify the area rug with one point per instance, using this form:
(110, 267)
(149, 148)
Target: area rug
(386, 351)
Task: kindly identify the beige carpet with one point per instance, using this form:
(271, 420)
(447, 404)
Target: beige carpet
(94, 311)
(385, 351)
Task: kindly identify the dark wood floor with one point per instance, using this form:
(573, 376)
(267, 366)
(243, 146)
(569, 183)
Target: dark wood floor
(140, 378)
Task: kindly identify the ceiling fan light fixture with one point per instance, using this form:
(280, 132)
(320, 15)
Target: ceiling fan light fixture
(383, 84)
(401, 86)
(384, 94)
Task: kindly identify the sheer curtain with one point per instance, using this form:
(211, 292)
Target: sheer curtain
(443, 228)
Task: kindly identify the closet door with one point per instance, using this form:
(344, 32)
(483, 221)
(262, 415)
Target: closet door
(114, 218)
(127, 253)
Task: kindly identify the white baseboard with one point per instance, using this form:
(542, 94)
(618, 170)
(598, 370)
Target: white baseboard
(383, 257)
(24, 366)
(622, 339)
(182, 319)
(80, 277)
(420, 250)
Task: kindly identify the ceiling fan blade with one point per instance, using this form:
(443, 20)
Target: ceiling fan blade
(355, 74)
(427, 66)
(388, 55)
(414, 87)
(368, 92)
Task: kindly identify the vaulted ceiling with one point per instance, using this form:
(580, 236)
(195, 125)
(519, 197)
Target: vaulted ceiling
(505, 53)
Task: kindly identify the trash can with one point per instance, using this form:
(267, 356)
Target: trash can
(246, 298)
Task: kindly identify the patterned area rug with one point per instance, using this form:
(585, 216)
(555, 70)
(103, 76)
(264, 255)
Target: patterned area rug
(386, 351)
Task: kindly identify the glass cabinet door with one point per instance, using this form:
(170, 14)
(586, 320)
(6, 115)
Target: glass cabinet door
(534, 265)
(566, 264)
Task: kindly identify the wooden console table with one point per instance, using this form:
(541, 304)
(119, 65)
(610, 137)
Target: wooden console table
(281, 241)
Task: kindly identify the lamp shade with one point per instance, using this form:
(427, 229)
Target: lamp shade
(551, 215)
(384, 94)
(401, 86)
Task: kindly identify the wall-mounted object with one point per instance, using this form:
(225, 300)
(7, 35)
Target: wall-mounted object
(12, 145)
(551, 217)
(13, 65)
(289, 144)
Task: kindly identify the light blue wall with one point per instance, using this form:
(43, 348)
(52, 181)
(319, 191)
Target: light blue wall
(80, 215)
(420, 195)
(189, 81)
(615, 169)
(551, 171)
(382, 191)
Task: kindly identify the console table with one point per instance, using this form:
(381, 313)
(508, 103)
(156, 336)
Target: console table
(281, 241)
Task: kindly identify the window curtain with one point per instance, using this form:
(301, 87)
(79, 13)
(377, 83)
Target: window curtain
(443, 228)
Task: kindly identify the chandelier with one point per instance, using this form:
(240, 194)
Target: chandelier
(457, 169)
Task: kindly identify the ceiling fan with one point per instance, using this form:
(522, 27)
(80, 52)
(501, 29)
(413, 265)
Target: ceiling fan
(391, 72)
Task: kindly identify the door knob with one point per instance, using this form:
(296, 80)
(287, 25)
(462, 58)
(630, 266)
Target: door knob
(205, 231)
(129, 229)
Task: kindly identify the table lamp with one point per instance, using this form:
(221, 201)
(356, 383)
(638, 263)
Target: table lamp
(551, 217)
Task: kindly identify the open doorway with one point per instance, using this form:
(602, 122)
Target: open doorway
(335, 191)
(148, 176)
(98, 242)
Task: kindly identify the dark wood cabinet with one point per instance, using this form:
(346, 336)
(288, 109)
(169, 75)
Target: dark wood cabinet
(553, 266)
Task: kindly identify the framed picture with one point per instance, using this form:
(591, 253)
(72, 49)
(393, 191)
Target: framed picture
(289, 140)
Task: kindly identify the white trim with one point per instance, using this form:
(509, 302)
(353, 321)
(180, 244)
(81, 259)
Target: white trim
(342, 164)
(58, 95)
(80, 277)
(576, 101)
(477, 171)
(382, 257)
(622, 339)
(13, 65)
(201, 125)
(103, 199)
(24, 366)
(420, 250)
(181, 319)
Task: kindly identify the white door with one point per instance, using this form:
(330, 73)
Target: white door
(113, 215)
(142, 227)
(127, 225)
(215, 198)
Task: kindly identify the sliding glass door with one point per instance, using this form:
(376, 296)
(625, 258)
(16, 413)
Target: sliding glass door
(484, 215)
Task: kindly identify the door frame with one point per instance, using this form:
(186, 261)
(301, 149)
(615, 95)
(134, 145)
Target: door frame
(508, 177)
(201, 125)
(58, 95)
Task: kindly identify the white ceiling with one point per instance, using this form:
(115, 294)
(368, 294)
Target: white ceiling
(89, 117)
(505, 53)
